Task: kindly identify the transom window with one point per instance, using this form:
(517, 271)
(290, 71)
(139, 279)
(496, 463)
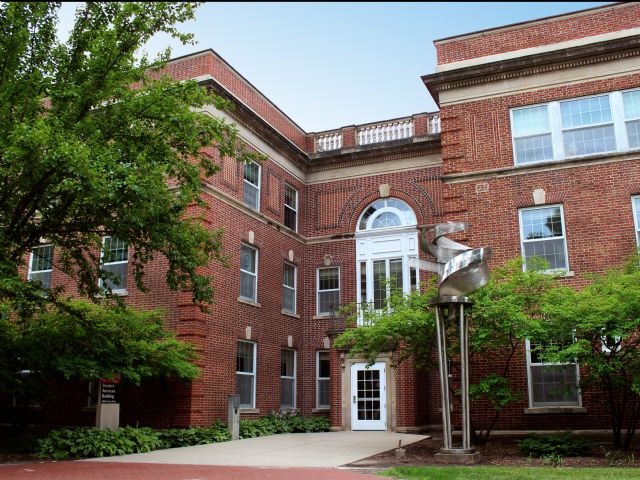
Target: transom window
(252, 185)
(550, 384)
(291, 207)
(115, 256)
(386, 213)
(41, 265)
(246, 374)
(542, 236)
(602, 123)
(288, 379)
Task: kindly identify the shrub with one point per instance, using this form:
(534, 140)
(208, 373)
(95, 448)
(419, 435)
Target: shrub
(282, 422)
(563, 445)
(185, 437)
(93, 442)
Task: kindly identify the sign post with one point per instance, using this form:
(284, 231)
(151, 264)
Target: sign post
(108, 406)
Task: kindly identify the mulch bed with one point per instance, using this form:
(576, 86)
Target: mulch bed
(502, 450)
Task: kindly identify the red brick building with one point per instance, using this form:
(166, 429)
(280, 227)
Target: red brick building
(536, 146)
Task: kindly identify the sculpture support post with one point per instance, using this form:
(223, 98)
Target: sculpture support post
(444, 376)
(464, 379)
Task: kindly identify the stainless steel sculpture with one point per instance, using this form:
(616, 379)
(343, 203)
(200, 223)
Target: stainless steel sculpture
(461, 270)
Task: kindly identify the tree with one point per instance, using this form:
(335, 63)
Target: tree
(95, 142)
(604, 317)
(504, 313)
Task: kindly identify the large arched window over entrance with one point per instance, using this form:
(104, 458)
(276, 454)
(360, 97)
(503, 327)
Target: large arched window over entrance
(386, 238)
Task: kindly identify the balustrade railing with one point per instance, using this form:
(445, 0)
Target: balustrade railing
(377, 133)
(329, 141)
(384, 132)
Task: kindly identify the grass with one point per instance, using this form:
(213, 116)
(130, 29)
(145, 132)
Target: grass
(511, 473)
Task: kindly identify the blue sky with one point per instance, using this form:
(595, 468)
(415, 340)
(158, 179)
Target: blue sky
(328, 65)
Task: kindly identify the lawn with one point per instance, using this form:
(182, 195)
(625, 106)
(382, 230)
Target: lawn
(511, 473)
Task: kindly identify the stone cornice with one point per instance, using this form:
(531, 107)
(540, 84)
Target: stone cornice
(532, 65)
(364, 156)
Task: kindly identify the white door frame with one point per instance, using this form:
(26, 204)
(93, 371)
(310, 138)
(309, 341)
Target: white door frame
(356, 400)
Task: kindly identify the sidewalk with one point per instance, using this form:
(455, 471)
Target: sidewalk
(327, 449)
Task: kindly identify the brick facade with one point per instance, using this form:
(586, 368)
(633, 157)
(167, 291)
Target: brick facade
(466, 173)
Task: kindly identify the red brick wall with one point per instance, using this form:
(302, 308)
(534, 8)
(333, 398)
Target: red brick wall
(533, 34)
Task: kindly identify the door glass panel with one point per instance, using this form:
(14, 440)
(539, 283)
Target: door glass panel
(379, 287)
(368, 395)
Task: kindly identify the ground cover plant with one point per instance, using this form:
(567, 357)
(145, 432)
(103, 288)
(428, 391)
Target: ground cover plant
(560, 445)
(92, 442)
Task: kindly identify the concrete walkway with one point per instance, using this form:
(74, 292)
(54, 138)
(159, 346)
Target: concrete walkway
(327, 449)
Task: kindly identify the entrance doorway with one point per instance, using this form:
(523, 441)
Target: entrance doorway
(368, 397)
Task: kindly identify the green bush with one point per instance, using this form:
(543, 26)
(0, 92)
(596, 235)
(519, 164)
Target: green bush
(185, 437)
(92, 442)
(282, 422)
(563, 445)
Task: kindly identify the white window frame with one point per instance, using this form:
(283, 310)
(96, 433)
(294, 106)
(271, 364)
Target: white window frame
(322, 379)
(318, 291)
(254, 275)
(123, 286)
(563, 237)
(289, 207)
(635, 208)
(530, 364)
(249, 374)
(293, 378)
(258, 187)
(627, 120)
(32, 272)
(293, 289)
(618, 122)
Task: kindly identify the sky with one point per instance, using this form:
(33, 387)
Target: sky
(328, 65)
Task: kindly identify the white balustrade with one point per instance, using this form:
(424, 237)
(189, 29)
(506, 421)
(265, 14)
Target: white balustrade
(384, 132)
(328, 142)
(434, 124)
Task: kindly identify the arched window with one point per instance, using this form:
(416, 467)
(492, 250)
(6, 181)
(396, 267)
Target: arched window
(386, 238)
(386, 213)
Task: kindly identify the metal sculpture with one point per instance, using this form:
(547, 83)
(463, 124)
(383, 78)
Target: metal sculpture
(461, 270)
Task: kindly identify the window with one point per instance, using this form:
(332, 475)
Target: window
(115, 255)
(92, 394)
(386, 213)
(252, 185)
(542, 236)
(289, 288)
(288, 379)
(291, 208)
(601, 123)
(40, 265)
(322, 380)
(246, 374)
(248, 273)
(328, 298)
(550, 384)
(631, 102)
(636, 216)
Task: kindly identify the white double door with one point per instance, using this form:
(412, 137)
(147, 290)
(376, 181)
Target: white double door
(368, 397)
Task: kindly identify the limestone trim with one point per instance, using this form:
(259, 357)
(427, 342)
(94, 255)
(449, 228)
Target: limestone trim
(537, 168)
(345, 366)
(591, 54)
(577, 42)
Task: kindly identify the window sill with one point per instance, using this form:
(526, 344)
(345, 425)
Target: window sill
(320, 410)
(248, 302)
(249, 410)
(289, 314)
(558, 409)
(325, 316)
(562, 274)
